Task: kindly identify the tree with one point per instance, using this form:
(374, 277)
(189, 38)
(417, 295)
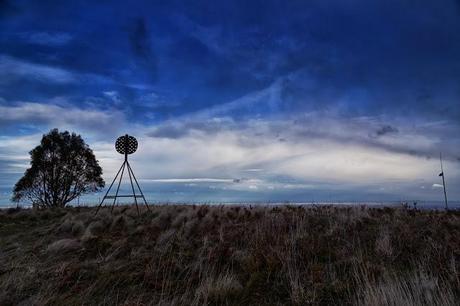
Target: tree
(63, 167)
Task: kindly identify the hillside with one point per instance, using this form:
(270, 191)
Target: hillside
(230, 255)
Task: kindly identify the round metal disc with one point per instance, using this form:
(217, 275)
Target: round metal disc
(126, 144)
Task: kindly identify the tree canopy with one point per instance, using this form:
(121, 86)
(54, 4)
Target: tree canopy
(63, 167)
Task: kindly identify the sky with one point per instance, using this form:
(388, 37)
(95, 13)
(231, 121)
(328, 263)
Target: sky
(241, 100)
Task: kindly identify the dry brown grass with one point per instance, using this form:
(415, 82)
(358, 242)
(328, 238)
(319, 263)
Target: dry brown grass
(230, 255)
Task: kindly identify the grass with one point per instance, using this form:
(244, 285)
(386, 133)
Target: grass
(230, 255)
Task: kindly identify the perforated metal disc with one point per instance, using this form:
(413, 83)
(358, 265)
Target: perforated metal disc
(126, 144)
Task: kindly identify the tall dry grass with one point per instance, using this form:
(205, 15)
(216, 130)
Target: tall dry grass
(230, 255)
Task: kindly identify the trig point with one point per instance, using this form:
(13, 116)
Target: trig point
(125, 145)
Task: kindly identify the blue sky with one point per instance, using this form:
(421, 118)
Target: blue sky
(241, 100)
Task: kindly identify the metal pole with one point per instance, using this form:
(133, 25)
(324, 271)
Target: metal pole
(443, 182)
(118, 187)
(140, 190)
(134, 193)
(100, 204)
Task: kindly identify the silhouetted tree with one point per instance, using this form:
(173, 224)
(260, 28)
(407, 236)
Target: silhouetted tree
(62, 168)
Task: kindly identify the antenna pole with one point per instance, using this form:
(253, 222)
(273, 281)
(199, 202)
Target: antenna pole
(443, 181)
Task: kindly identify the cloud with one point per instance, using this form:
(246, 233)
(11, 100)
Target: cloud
(47, 38)
(266, 100)
(386, 129)
(190, 180)
(49, 115)
(416, 137)
(17, 72)
(325, 156)
(156, 100)
(437, 186)
(321, 151)
(14, 69)
(177, 129)
(168, 131)
(14, 159)
(304, 164)
(114, 96)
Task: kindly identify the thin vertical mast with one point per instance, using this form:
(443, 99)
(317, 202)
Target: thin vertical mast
(443, 181)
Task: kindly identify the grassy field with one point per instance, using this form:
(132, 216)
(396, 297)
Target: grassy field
(230, 255)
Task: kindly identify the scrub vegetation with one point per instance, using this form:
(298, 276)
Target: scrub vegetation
(229, 255)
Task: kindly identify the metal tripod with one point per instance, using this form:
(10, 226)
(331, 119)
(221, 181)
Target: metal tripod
(124, 166)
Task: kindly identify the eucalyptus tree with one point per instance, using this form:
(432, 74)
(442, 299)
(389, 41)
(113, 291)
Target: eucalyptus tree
(62, 167)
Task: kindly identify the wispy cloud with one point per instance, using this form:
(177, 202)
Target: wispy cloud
(46, 38)
(190, 180)
(14, 157)
(13, 69)
(50, 115)
(114, 96)
(18, 70)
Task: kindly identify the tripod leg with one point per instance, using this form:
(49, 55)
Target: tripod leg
(100, 204)
(132, 186)
(145, 202)
(118, 187)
